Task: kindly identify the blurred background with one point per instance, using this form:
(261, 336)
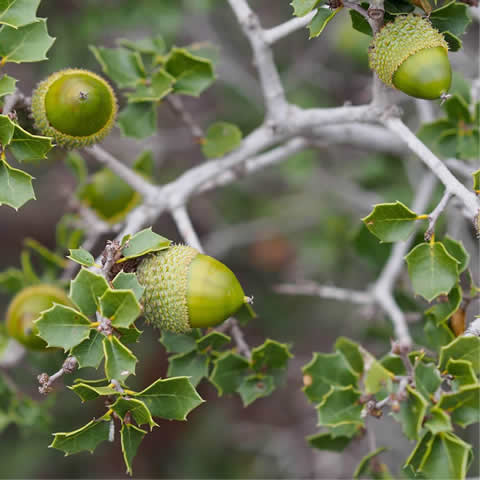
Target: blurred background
(296, 221)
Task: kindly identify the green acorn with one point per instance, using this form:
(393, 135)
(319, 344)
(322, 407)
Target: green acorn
(185, 289)
(26, 307)
(75, 107)
(410, 55)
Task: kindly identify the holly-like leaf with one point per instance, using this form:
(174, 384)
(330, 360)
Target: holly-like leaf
(63, 327)
(191, 364)
(457, 109)
(443, 310)
(360, 23)
(440, 456)
(462, 373)
(145, 242)
(7, 85)
(26, 147)
(7, 127)
(124, 67)
(351, 352)
(364, 469)
(153, 90)
(131, 437)
(476, 180)
(221, 138)
(254, 387)
(398, 7)
(228, 373)
(302, 7)
(325, 441)
(29, 43)
(85, 290)
(16, 13)
(411, 414)
(456, 249)
(136, 408)
(85, 438)
(340, 405)
(468, 144)
(15, 186)
(427, 379)
(149, 45)
(120, 306)
(213, 341)
(325, 370)
(377, 377)
(170, 398)
(81, 256)
(462, 405)
(320, 20)
(437, 336)
(452, 17)
(193, 74)
(119, 360)
(89, 392)
(89, 353)
(130, 334)
(270, 355)
(391, 222)
(128, 281)
(462, 348)
(179, 342)
(138, 120)
(438, 421)
(433, 271)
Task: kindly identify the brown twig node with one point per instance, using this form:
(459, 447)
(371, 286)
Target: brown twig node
(46, 381)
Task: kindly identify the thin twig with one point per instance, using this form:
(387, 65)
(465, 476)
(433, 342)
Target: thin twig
(433, 217)
(325, 291)
(46, 381)
(185, 227)
(176, 105)
(274, 34)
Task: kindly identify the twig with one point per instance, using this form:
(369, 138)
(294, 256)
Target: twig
(137, 182)
(111, 254)
(433, 217)
(357, 8)
(274, 34)
(325, 291)
(46, 382)
(176, 105)
(272, 88)
(239, 339)
(185, 227)
(473, 330)
(397, 126)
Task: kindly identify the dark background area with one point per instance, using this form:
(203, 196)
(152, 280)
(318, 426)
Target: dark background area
(298, 220)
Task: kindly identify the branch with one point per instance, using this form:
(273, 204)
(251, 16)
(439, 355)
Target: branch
(433, 217)
(185, 227)
(137, 182)
(274, 34)
(46, 382)
(272, 88)
(325, 291)
(397, 126)
(176, 104)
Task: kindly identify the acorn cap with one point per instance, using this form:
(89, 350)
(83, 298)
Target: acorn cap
(411, 55)
(185, 289)
(76, 107)
(26, 307)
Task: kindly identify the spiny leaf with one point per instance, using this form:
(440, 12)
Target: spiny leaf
(119, 360)
(170, 398)
(136, 408)
(131, 437)
(145, 242)
(15, 186)
(86, 289)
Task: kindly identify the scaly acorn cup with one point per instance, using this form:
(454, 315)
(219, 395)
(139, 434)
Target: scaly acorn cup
(75, 107)
(26, 307)
(410, 55)
(185, 289)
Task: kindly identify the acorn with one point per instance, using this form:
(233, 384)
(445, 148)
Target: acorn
(411, 55)
(186, 289)
(109, 196)
(26, 307)
(76, 107)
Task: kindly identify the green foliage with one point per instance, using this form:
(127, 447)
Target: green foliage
(414, 389)
(221, 138)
